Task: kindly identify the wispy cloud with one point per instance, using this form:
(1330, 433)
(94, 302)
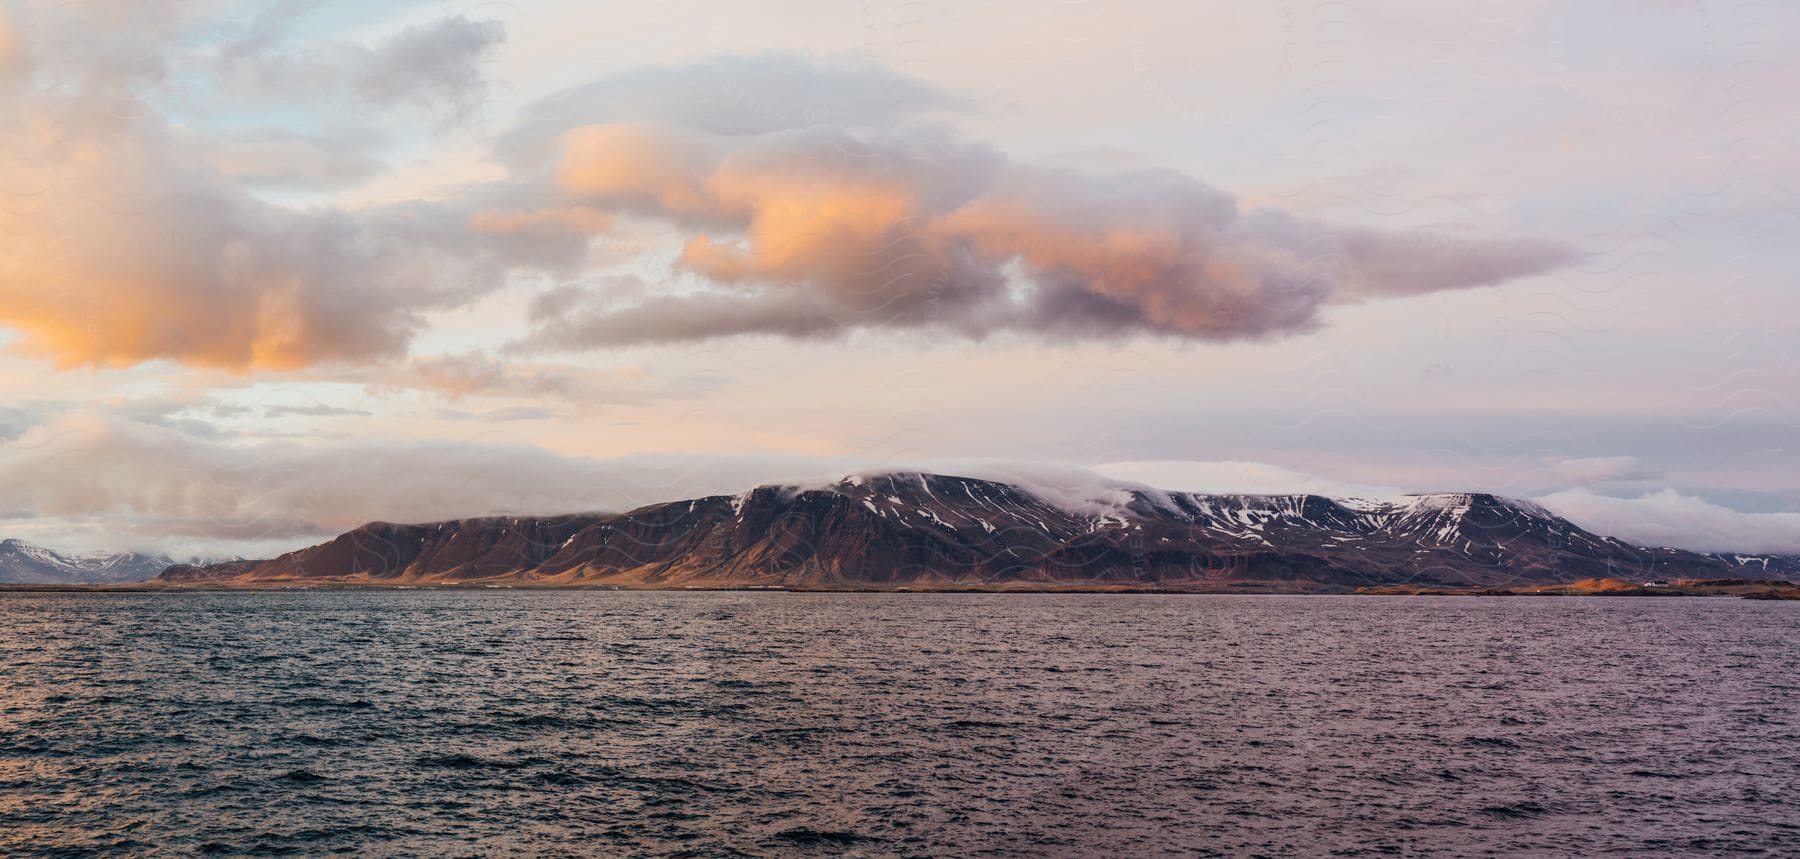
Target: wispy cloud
(1588, 470)
(318, 410)
(502, 415)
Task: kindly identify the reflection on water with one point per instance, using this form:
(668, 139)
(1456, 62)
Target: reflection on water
(457, 723)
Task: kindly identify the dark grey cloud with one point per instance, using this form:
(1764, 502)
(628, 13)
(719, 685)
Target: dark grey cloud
(436, 66)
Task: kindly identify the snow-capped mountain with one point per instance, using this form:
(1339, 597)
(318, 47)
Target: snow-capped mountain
(910, 529)
(24, 563)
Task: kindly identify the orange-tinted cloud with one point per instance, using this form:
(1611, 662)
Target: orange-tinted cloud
(129, 238)
(817, 231)
(130, 245)
(122, 257)
(12, 51)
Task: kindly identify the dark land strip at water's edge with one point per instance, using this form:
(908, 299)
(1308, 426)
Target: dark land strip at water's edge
(1744, 589)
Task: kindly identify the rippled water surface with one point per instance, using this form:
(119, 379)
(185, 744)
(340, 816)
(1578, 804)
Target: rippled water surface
(475, 723)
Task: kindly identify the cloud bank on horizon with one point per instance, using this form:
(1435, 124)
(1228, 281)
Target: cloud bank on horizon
(253, 251)
(159, 487)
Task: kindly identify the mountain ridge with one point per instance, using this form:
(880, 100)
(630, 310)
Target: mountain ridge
(922, 531)
(28, 563)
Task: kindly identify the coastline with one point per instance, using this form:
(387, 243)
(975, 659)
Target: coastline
(1743, 589)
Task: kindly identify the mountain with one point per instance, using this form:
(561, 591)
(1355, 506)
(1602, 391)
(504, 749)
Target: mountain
(934, 531)
(24, 563)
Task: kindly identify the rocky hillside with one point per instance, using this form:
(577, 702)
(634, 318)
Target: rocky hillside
(936, 531)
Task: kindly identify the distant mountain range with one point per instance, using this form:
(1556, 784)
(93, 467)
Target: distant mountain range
(929, 531)
(24, 563)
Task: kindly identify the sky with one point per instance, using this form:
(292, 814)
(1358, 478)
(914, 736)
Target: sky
(270, 270)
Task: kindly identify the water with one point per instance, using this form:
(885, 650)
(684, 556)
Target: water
(576, 723)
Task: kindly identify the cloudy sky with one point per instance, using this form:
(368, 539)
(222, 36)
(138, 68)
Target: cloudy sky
(272, 269)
